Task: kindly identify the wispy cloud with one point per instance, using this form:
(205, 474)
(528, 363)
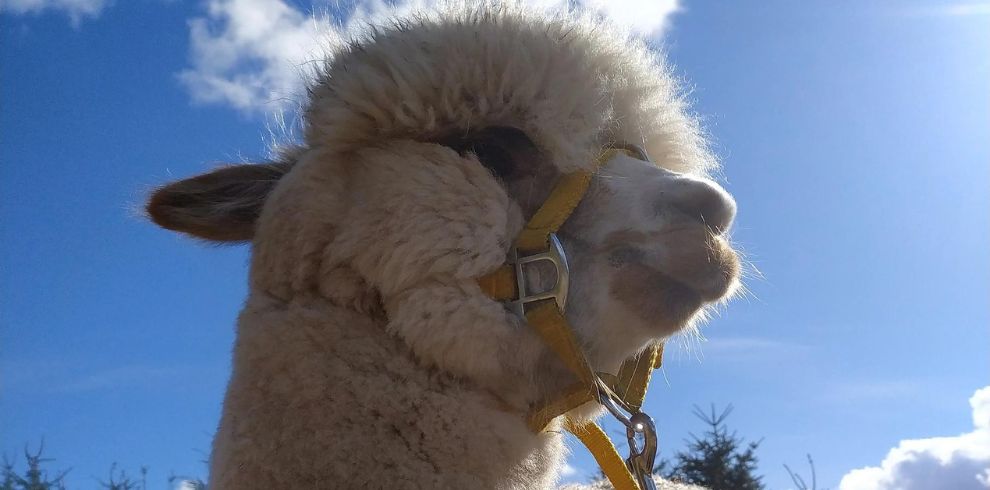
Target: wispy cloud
(870, 390)
(77, 10)
(117, 378)
(960, 462)
(976, 8)
(253, 55)
(38, 376)
(950, 9)
(728, 345)
(735, 349)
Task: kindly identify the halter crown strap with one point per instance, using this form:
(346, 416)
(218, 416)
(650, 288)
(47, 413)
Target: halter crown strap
(547, 317)
(555, 211)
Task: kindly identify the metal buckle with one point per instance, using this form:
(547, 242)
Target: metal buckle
(556, 256)
(642, 455)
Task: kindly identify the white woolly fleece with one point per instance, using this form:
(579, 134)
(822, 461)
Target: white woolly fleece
(571, 84)
(366, 355)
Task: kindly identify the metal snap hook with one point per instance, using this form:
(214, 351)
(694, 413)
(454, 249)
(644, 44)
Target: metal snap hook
(642, 456)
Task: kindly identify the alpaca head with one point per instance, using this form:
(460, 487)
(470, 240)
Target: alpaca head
(646, 245)
(427, 146)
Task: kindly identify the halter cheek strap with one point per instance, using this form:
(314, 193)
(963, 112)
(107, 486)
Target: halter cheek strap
(619, 393)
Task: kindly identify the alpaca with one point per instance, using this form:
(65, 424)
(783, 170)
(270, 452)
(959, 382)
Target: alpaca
(366, 354)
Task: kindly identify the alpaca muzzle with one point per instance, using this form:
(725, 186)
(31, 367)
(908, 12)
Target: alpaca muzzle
(621, 394)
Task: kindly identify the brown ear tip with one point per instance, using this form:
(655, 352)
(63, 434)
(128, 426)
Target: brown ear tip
(158, 208)
(175, 210)
(220, 206)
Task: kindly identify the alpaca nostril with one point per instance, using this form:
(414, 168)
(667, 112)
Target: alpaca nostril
(705, 201)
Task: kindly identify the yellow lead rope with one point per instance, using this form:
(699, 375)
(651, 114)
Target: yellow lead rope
(607, 457)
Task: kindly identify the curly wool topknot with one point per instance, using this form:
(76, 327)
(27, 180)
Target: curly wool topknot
(572, 83)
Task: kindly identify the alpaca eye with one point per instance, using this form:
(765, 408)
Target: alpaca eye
(496, 158)
(501, 149)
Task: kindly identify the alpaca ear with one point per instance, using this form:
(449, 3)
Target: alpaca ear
(221, 205)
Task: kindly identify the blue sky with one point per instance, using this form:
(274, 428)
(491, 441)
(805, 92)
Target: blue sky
(855, 137)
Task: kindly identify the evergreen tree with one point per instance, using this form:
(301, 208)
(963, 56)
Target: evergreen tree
(719, 460)
(799, 481)
(120, 481)
(8, 475)
(34, 478)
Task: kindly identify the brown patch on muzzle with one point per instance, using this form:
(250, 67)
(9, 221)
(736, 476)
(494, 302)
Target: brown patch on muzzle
(701, 261)
(687, 268)
(655, 297)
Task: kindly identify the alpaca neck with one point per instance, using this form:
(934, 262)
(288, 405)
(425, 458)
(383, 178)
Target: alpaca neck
(322, 396)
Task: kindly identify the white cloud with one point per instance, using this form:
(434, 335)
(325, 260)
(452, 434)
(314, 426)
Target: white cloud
(646, 17)
(253, 55)
(961, 462)
(186, 484)
(248, 53)
(573, 477)
(75, 9)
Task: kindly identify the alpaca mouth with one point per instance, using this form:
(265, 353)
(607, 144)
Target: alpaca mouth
(694, 257)
(711, 270)
(668, 288)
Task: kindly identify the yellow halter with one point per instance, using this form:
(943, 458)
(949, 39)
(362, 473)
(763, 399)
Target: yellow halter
(621, 393)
